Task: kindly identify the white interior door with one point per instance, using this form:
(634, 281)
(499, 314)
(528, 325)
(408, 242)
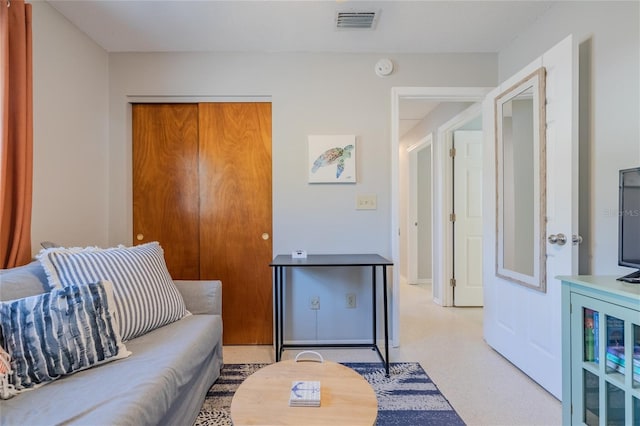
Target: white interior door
(467, 202)
(521, 323)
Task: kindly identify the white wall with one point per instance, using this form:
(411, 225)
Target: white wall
(311, 94)
(82, 164)
(82, 142)
(70, 145)
(613, 123)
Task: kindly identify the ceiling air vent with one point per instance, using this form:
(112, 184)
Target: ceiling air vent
(356, 19)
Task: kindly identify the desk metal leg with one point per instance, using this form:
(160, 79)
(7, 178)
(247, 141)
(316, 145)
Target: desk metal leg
(385, 359)
(386, 319)
(281, 313)
(276, 313)
(373, 298)
(277, 299)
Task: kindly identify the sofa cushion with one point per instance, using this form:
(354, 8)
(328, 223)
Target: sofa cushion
(23, 281)
(60, 332)
(145, 296)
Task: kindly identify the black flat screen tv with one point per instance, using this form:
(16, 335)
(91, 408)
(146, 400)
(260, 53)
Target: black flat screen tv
(629, 223)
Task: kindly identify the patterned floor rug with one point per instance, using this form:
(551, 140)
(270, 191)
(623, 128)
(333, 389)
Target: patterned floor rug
(408, 397)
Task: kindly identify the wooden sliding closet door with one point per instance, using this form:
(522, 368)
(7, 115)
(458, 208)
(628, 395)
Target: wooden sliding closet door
(166, 183)
(202, 188)
(235, 215)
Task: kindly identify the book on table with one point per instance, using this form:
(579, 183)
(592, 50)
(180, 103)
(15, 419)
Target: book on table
(305, 393)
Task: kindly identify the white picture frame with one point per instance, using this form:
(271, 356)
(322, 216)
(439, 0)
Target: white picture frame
(332, 159)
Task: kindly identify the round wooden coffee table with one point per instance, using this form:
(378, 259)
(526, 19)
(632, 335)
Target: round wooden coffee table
(346, 398)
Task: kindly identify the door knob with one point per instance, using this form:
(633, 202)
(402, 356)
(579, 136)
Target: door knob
(265, 236)
(576, 239)
(139, 237)
(559, 239)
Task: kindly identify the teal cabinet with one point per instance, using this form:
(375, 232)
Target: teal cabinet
(600, 351)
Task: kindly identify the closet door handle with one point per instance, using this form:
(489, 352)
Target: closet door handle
(265, 236)
(139, 237)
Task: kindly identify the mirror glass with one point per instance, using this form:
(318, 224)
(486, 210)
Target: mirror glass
(520, 184)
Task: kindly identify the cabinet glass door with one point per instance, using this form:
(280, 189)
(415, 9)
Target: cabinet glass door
(591, 414)
(615, 362)
(607, 381)
(590, 356)
(591, 329)
(636, 362)
(615, 405)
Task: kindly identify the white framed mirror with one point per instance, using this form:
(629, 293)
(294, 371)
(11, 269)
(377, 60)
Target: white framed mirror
(521, 182)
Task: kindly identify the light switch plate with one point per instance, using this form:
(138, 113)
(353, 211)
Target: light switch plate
(366, 202)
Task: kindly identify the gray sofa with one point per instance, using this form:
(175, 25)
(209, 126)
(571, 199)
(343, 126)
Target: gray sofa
(163, 382)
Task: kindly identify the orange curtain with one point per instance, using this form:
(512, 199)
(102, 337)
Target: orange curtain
(16, 108)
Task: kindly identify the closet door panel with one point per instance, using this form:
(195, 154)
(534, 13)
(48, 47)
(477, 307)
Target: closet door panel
(165, 183)
(235, 215)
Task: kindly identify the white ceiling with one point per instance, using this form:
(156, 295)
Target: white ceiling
(299, 26)
(303, 26)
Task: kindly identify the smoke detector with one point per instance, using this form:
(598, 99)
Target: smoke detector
(384, 67)
(357, 19)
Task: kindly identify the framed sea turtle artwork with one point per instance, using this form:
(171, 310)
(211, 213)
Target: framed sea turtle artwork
(332, 159)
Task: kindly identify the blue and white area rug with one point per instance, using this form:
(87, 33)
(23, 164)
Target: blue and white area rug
(407, 397)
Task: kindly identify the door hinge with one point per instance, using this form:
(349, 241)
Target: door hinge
(452, 281)
(452, 152)
(452, 217)
(570, 308)
(572, 409)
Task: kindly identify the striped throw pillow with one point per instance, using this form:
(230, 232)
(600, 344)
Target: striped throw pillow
(60, 332)
(145, 296)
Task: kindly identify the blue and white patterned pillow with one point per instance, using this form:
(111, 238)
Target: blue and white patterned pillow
(60, 332)
(145, 296)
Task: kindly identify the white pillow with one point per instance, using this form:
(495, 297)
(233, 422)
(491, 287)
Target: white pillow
(145, 296)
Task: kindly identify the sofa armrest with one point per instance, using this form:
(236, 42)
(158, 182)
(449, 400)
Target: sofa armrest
(201, 297)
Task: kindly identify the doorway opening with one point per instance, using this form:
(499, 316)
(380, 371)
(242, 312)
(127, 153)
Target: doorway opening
(441, 168)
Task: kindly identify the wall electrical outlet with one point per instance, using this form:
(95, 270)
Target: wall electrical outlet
(314, 303)
(350, 300)
(366, 202)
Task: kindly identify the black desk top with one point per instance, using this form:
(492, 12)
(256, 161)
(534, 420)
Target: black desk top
(332, 260)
